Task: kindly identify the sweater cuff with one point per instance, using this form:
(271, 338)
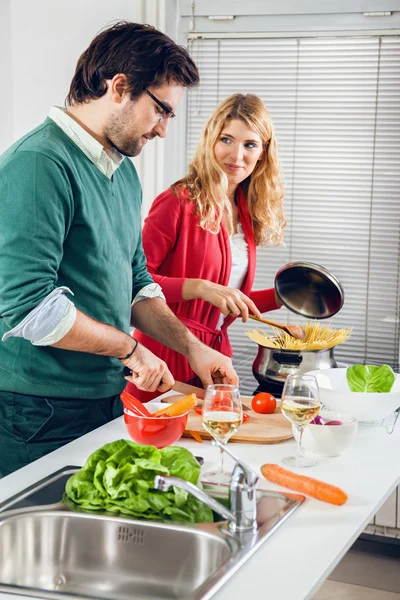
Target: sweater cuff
(264, 300)
(171, 287)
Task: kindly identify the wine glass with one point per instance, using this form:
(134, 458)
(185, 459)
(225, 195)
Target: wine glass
(221, 416)
(300, 404)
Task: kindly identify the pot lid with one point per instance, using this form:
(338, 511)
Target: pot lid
(309, 290)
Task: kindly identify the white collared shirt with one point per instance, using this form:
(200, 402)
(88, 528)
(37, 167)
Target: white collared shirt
(87, 143)
(55, 315)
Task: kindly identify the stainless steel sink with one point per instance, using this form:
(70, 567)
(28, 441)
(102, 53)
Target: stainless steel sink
(107, 557)
(53, 552)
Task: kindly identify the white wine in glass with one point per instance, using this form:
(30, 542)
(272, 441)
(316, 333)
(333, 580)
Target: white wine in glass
(221, 424)
(221, 417)
(300, 405)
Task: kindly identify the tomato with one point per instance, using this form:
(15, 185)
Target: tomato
(263, 403)
(222, 401)
(199, 411)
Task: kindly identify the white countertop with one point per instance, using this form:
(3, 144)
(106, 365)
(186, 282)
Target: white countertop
(301, 554)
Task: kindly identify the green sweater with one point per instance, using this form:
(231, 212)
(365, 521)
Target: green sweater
(64, 223)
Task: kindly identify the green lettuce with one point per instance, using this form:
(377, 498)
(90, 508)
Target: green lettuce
(370, 378)
(119, 478)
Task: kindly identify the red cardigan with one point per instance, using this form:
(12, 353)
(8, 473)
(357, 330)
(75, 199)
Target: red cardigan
(177, 248)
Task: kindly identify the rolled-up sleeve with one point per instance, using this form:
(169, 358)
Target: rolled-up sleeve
(153, 290)
(48, 322)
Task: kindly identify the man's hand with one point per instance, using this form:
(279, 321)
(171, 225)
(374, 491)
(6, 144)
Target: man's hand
(155, 319)
(149, 373)
(212, 366)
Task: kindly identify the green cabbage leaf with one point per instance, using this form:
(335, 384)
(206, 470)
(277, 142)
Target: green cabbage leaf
(370, 378)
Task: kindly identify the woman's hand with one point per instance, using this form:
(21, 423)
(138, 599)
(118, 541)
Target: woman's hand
(230, 301)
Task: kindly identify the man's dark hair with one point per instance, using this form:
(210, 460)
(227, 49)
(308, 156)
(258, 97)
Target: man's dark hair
(145, 55)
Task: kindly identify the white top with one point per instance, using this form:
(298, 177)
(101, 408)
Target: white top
(240, 263)
(303, 551)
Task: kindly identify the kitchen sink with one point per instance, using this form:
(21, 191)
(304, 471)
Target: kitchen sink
(54, 552)
(108, 557)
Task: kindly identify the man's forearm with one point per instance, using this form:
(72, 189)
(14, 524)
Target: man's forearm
(89, 335)
(153, 318)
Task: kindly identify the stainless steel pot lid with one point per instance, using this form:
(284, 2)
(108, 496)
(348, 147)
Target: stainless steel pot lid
(309, 290)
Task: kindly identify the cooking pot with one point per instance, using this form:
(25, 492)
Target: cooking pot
(312, 291)
(275, 364)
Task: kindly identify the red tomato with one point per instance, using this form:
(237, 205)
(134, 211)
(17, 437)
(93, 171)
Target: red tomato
(222, 401)
(263, 403)
(199, 411)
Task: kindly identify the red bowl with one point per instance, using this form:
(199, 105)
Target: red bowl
(155, 431)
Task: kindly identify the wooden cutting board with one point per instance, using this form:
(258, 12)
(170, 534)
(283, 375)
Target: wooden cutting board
(258, 429)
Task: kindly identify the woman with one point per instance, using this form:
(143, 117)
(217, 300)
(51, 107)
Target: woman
(201, 234)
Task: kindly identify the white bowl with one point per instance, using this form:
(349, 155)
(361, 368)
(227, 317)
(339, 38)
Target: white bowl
(329, 440)
(336, 395)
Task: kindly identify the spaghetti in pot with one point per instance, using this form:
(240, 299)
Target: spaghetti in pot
(318, 337)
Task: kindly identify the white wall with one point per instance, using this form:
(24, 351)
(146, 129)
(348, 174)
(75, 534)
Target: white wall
(150, 162)
(6, 79)
(47, 37)
(40, 42)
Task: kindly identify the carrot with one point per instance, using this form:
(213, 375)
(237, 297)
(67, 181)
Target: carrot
(178, 408)
(306, 485)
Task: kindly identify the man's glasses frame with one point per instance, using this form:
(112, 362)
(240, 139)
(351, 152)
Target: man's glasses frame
(169, 114)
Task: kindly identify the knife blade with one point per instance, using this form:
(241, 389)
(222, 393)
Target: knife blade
(186, 388)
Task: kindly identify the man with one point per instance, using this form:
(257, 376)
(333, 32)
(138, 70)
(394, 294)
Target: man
(70, 224)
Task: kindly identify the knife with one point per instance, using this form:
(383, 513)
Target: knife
(178, 387)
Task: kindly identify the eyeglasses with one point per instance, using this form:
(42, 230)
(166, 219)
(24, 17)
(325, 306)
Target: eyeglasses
(168, 113)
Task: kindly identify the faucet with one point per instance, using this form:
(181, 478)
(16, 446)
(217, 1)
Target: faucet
(242, 494)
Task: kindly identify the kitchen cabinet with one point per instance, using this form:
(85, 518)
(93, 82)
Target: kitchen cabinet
(386, 515)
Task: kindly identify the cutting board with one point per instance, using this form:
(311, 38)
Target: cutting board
(258, 429)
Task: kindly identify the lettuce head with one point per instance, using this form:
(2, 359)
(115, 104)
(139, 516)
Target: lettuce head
(119, 478)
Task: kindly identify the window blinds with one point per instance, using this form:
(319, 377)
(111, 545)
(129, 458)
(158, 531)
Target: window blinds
(335, 103)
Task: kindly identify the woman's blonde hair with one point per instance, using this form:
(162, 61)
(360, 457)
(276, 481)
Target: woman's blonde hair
(207, 183)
